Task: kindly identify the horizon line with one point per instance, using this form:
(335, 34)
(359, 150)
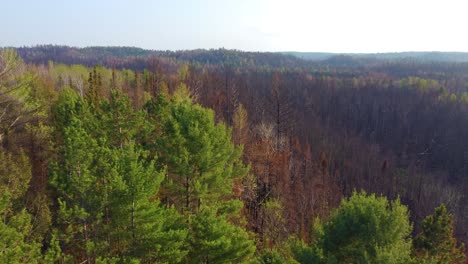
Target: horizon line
(230, 49)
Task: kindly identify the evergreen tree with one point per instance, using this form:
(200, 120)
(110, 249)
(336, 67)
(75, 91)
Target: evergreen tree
(17, 244)
(435, 243)
(121, 123)
(201, 160)
(78, 177)
(15, 174)
(15, 247)
(107, 187)
(304, 253)
(202, 164)
(215, 240)
(139, 224)
(269, 256)
(367, 229)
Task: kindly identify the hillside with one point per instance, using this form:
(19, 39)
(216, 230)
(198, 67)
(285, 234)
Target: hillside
(433, 56)
(197, 156)
(131, 57)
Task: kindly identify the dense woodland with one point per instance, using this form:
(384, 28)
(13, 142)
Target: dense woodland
(124, 155)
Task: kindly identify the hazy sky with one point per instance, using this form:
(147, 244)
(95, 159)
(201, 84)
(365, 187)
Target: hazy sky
(258, 25)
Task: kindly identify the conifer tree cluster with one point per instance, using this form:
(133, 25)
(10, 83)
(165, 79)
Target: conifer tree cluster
(150, 185)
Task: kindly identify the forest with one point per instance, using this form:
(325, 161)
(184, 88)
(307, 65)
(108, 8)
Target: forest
(126, 155)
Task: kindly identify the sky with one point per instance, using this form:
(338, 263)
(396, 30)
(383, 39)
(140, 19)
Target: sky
(349, 26)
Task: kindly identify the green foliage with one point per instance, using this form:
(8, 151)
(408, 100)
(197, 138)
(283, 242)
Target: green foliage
(304, 253)
(240, 124)
(156, 185)
(53, 253)
(106, 186)
(201, 163)
(17, 104)
(435, 243)
(183, 72)
(16, 245)
(271, 256)
(215, 240)
(25, 216)
(77, 175)
(152, 232)
(292, 251)
(15, 174)
(200, 158)
(120, 122)
(274, 222)
(367, 229)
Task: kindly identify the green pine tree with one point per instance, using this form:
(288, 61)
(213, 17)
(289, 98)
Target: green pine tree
(215, 240)
(140, 225)
(367, 229)
(202, 164)
(107, 186)
(200, 158)
(435, 243)
(17, 244)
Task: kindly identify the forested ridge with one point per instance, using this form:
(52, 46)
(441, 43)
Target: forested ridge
(124, 155)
